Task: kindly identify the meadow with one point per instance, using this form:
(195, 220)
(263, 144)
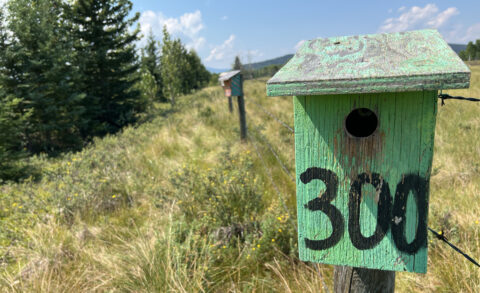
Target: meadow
(179, 204)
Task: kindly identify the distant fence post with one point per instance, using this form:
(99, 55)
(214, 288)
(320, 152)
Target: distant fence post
(232, 84)
(243, 120)
(230, 104)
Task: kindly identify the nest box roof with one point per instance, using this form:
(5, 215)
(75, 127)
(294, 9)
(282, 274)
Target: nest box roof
(406, 61)
(227, 75)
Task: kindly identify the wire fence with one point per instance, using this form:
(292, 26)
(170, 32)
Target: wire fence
(438, 235)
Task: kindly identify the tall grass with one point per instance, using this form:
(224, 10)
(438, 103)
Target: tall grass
(178, 204)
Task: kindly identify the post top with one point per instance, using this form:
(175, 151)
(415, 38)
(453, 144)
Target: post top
(394, 62)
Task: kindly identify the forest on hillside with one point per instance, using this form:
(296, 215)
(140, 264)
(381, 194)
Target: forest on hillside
(471, 52)
(72, 70)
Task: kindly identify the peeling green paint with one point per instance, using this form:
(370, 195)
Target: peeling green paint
(407, 61)
(401, 145)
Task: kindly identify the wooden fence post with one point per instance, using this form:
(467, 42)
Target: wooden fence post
(230, 104)
(360, 280)
(243, 120)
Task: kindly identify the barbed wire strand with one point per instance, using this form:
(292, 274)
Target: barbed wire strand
(317, 268)
(437, 235)
(441, 236)
(270, 177)
(280, 162)
(273, 116)
(294, 224)
(444, 97)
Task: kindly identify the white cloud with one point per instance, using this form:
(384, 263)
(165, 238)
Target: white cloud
(418, 18)
(299, 44)
(443, 17)
(187, 26)
(224, 17)
(473, 33)
(222, 51)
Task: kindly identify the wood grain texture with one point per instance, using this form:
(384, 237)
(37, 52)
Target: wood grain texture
(358, 280)
(400, 149)
(396, 62)
(242, 118)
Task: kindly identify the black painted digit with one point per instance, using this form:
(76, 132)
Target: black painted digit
(383, 211)
(322, 203)
(419, 187)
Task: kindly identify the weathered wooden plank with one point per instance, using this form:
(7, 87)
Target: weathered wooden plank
(345, 182)
(397, 62)
(236, 85)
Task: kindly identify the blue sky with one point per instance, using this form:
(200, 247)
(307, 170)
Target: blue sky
(261, 30)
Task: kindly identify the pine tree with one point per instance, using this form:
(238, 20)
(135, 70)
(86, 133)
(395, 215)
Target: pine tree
(37, 69)
(107, 60)
(151, 62)
(237, 65)
(198, 76)
(471, 51)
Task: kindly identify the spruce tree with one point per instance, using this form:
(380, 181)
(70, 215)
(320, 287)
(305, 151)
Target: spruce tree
(37, 68)
(107, 60)
(237, 65)
(198, 76)
(13, 120)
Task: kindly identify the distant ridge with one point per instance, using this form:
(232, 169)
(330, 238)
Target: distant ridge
(276, 61)
(458, 47)
(216, 70)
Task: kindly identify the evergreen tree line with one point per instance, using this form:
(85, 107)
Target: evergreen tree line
(70, 71)
(472, 52)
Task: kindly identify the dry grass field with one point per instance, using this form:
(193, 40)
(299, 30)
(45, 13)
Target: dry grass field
(178, 204)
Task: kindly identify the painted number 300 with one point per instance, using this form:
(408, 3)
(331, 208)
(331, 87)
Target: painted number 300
(388, 216)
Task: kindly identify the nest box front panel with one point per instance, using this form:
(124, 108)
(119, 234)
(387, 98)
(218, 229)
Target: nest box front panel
(236, 85)
(362, 169)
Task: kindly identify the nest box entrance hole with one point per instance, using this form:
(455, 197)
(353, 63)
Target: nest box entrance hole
(361, 122)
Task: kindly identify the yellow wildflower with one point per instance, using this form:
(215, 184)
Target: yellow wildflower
(273, 240)
(114, 196)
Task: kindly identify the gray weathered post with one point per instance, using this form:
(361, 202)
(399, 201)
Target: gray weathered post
(360, 280)
(232, 84)
(365, 109)
(243, 120)
(230, 104)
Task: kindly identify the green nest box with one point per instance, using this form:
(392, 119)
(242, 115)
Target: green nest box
(365, 109)
(232, 83)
